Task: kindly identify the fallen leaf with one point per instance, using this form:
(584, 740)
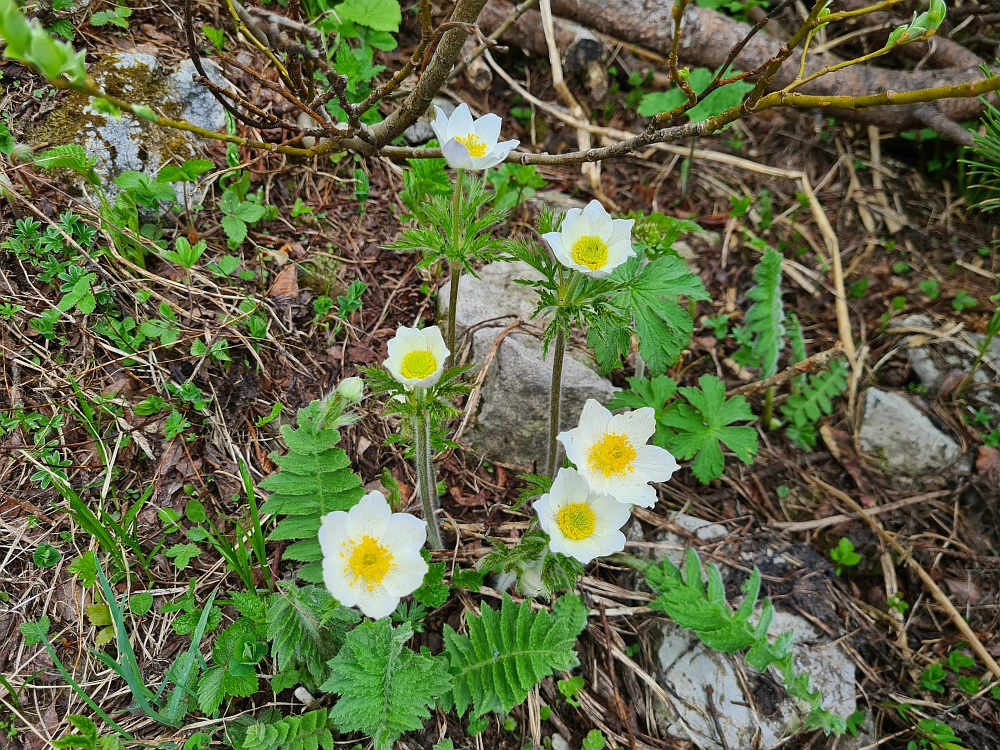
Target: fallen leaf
(287, 283)
(988, 461)
(361, 354)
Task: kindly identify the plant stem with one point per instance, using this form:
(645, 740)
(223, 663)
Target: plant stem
(640, 365)
(455, 268)
(768, 401)
(425, 473)
(983, 348)
(555, 401)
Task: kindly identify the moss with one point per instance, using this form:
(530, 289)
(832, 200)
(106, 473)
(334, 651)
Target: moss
(140, 84)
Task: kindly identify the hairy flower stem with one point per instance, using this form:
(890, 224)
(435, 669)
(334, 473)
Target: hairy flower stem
(426, 484)
(640, 365)
(555, 402)
(455, 268)
(768, 405)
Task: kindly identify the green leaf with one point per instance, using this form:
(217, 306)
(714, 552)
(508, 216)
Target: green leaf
(141, 603)
(663, 326)
(705, 422)
(309, 731)
(235, 228)
(766, 316)
(35, 632)
(385, 688)
(381, 15)
(718, 101)
(182, 554)
(594, 740)
(508, 652)
(85, 568)
(433, 592)
(250, 212)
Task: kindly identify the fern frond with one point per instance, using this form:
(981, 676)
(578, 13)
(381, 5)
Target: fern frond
(508, 652)
(692, 604)
(306, 732)
(766, 317)
(68, 156)
(385, 689)
(814, 398)
(314, 479)
(797, 343)
(306, 627)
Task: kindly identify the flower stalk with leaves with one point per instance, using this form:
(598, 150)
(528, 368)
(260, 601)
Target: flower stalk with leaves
(419, 389)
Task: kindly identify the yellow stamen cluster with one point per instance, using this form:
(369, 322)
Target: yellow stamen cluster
(475, 144)
(418, 364)
(613, 454)
(576, 521)
(591, 252)
(369, 561)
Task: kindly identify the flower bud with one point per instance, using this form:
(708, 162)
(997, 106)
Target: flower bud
(21, 153)
(351, 390)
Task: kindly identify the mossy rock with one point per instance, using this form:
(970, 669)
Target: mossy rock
(127, 143)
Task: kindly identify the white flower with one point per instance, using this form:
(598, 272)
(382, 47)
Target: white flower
(610, 452)
(417, 356)
(590, 241)
(469, 144)
(371, 556)
(580, 522)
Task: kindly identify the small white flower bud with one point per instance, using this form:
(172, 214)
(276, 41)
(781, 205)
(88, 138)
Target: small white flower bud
(351, 390)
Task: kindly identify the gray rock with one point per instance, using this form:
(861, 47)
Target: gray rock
(899, 433)
(688, 667)
(558, 203)
(127, 143)
(512, 423)
(421, 131)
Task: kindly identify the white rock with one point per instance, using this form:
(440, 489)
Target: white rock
(559, 742)
(897, 432)
(688, 667)
(512, 423)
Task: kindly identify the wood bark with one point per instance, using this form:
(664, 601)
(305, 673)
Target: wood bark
(707, 37)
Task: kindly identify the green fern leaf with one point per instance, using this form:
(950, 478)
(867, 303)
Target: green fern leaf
(306, 628)
(314, 479)
(508, 652)
(692, 604)
(797, 343)
(766, 317)
(385, 688)
(309, 731)
(815, 397)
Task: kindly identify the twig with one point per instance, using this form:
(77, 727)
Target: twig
(494, 37)
(823, 523)
(939, 596)
(810, 364)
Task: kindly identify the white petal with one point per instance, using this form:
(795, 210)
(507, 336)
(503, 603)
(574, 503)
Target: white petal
(608, 545)
(333, 533)
(569, 487)
(610, 514)
(440, 126)
(545, 511)
(632, 492)
(655, 463)
(618, 253)
(594, 419)
(460, 123)
(434, 342)
(582, 549)
(638, 425)
(574, 226)
(370, 517)
(377, 602)
(558, 249)
(407, 573)
(405, 532)
(338, 583)
(457, 155)
(621, 229)
(600, 220)
(487, 128)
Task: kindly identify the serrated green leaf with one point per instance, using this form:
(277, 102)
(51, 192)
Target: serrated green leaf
(385, 688)
(380, 15)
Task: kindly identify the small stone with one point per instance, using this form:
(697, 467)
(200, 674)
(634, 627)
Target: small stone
(899, 433)
(512, 423)
(559, 742)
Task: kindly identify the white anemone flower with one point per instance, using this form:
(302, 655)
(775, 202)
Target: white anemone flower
(591, 242)
(610, 452)
(371, 556)
(468, 143)
(417, 356)
(581, 522)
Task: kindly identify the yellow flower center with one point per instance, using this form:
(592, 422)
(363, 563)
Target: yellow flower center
(475, 144)
(612, 454)
(576, 521)
(418, 364)
(369, 560)
(591, 252)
